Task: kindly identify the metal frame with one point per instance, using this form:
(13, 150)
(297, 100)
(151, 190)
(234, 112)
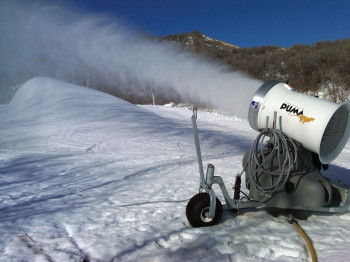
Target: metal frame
(206, 182)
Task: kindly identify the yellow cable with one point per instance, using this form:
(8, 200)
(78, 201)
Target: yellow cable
(306, 238)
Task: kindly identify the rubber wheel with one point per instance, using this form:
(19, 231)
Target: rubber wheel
(198, 207)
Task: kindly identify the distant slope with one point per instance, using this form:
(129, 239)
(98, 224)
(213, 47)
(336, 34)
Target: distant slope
(43, 96)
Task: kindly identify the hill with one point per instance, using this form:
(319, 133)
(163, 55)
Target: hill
(323, 66)
(198, 43)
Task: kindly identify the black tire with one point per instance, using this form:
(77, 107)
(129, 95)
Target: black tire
(198, 206)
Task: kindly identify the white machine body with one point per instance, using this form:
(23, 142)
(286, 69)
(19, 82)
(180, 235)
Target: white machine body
(321, 126)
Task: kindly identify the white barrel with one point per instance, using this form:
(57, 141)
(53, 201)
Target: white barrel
(321, 126)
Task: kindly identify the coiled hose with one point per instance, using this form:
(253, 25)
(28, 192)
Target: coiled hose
(261, 162)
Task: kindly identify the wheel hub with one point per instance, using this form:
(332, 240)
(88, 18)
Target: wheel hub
(204, 215)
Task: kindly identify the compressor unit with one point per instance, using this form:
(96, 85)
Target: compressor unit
(298, 136)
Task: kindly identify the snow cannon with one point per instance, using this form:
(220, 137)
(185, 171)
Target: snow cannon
(299, 135)
(320, 126)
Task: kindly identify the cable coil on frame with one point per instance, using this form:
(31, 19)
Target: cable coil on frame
(261, 156)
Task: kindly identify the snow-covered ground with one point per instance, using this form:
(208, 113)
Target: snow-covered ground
(84, 175)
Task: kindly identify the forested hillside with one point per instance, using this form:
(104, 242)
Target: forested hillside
(322, 66)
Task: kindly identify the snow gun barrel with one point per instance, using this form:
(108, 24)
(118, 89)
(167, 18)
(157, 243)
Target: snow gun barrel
(321, 126)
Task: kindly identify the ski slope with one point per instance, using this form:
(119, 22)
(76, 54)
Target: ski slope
(85, 175)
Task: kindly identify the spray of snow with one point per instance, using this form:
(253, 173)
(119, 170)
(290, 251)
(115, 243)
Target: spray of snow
(51, 40)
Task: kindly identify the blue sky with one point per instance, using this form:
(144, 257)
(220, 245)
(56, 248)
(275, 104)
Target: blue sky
(242, 23)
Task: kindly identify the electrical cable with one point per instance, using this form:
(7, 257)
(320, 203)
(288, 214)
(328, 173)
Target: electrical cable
(245, 195)
(306, 238)
(261, 156)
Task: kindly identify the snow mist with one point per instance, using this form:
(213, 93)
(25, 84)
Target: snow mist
(50, 40)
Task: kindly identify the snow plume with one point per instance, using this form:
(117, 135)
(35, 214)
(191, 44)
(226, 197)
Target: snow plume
(51, 40)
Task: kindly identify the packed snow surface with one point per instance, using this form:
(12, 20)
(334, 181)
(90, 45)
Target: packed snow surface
(85, 175)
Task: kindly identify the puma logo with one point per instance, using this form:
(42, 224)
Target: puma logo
(304, 119)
